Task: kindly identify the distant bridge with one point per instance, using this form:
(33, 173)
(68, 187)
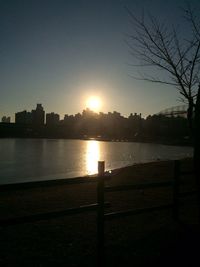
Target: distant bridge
(174, 111)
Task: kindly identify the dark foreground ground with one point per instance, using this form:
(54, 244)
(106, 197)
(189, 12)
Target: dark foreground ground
(150, 239)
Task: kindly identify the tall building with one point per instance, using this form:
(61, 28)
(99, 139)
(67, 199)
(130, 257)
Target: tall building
(38, 115)
(5, 119)
(23, 117)
(35, 117)
(52, 119)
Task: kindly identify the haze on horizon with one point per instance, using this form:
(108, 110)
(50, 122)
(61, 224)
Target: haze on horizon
(60, 53)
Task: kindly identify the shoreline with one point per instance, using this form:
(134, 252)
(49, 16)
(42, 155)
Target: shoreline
(71, 240)
(166, 142)
(78, 179)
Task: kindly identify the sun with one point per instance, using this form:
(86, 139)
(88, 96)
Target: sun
(94, 103)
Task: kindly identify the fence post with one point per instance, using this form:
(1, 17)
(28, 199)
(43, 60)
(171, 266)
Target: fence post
(176, 190)
(100, 214)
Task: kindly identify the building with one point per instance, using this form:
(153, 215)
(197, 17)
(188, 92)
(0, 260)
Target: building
(5, 119)
(23, 117)
(38, 115)
(35, 117)
(52, 119)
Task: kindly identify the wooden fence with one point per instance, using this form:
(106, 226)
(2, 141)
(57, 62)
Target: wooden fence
(100, 206)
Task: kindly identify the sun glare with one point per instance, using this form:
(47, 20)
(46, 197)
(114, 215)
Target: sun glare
(92, 157)
(94, 103)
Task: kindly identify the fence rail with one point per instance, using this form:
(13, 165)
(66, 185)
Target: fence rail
(137, 186)
(119, 214)
(50, 215)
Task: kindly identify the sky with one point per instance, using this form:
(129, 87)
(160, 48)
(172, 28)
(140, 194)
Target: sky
(61, 52)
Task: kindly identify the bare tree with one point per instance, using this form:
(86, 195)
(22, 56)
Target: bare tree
(156, 45)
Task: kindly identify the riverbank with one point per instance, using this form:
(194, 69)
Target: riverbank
(185, 141)
(28, 160)
(71, 241)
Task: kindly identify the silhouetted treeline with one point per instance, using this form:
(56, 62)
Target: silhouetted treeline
(109, 126)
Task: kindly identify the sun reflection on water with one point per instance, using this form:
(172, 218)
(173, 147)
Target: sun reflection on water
(92, 157)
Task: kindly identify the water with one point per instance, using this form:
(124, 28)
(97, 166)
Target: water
(25, 160)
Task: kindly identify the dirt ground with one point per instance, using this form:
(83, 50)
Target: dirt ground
(152, 238)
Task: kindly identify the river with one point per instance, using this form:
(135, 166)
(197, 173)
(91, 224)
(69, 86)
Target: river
(25, 160)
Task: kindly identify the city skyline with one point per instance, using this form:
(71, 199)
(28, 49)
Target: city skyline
(60, 53)
(112, 126)
(175, 110)
(25, 116)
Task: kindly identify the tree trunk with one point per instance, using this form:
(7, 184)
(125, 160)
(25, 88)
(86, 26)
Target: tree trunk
(197, 145)
(190, 115)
